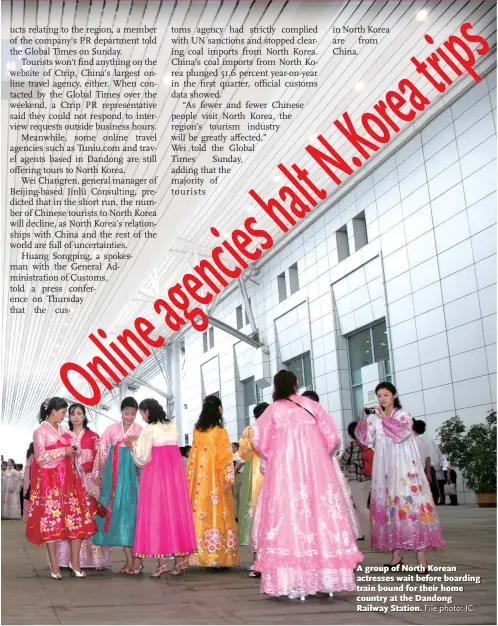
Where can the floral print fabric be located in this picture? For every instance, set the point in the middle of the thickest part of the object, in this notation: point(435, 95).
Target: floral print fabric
point(402, 510)
point(210, 474)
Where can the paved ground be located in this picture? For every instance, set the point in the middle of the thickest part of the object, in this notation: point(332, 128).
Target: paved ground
point(29, 596)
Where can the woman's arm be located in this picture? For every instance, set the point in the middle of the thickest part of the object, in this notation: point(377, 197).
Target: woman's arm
point(246, 449)
point(141, 448)
point(224, 456)
point(327, 428)
point(46, 458)
point(263, 432)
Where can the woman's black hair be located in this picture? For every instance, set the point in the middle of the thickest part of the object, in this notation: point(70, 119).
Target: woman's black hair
point(284, 385)
point(31, 450)
point(390, 387)
point(129, 403)
point(54, 404)
point(156, 411)
point(419, 426)
point(259, 409)
point(351, 430)
point(210, 414)
point(13, 463)
point(77, 405)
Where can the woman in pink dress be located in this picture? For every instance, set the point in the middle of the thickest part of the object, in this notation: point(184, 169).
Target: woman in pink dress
point(165, 526)
point(60, 508)
point(402, 511)
point(97, 557)
point(302, 531)
point(27, 480)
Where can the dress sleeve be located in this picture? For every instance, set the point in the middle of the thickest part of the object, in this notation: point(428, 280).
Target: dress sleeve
point(27, 474)
point(103, 449)
point(142, 447)
point(398, 427)
point(224, 455)
point(365, 432)
point(246, 449)
point(44, 457)
point(263, 432)
point(327, 427)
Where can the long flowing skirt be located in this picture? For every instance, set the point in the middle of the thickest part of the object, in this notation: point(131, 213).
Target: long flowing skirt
point(119, 495)
point(165, 526)
point(304, 534)
point(12, 505)
point(402, 511)
point(246, 506)
point(59, 507)
point(90, 556)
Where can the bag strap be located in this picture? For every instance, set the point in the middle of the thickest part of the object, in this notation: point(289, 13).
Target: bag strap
point(300, 405)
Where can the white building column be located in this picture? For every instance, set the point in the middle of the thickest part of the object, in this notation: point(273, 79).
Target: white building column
point(176, 384)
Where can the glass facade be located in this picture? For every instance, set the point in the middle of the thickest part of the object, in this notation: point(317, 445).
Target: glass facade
point(301, 367)
point(366, 347)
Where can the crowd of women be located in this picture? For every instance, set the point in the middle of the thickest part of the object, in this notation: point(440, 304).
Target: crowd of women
point(131, 489)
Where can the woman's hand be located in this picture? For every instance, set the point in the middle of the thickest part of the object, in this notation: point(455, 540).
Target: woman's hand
point(129, 441)
point(70, 452)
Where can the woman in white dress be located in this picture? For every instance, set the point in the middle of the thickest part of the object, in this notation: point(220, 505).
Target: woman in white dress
point(13, 484)
point(402, 511)
point(4, 482)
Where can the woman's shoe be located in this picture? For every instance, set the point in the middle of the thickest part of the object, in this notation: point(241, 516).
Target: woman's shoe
point(124, 569)
point(76, 573)
point(180, 569)
point(135, 572)
point(163, 569)
point(254, 574)
point(362, 538)
point(55, 575)
point(393, 565)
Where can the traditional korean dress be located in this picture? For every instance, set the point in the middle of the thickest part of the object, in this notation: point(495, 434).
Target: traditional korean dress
point(402, 510)
point(60, 507)
point(303, 535)
point(27, 485)
point(165, 526)
point(12, 503)
point(251, 486)
point(210, 473)
point(90, 556)
point(4, 482)
point(115, 468)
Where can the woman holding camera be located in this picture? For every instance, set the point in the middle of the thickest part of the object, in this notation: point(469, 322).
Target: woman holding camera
point(402, 511)
point(60, 508)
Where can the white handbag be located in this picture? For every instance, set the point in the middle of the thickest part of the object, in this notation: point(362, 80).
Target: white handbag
point(450, 489)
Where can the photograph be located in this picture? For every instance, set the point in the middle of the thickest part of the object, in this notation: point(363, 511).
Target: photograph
point(248, 323)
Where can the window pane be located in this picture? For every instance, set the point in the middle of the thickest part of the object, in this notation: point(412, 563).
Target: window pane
point(356, 377)
point(388, 368)
point(357, 401)
point(211, 337)
point(296, 367)
point(308, 380)
point(360, 350)
point(381, 347)
point(205, 342)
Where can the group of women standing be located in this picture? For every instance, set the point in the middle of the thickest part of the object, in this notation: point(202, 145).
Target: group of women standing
point(130, 489)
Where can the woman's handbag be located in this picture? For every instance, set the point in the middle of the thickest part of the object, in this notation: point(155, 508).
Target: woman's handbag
point(450, 489)
point(27, 495)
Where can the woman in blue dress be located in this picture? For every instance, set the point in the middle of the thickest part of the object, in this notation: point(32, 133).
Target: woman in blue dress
point(116, 473)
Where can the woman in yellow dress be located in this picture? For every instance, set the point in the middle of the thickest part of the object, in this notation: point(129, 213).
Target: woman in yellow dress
point(210, 473)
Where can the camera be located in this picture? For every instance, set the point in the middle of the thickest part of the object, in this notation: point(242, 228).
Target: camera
point(370, 410)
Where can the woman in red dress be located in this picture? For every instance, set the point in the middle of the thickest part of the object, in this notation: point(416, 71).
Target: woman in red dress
point(60, 507)
point(97, 557)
